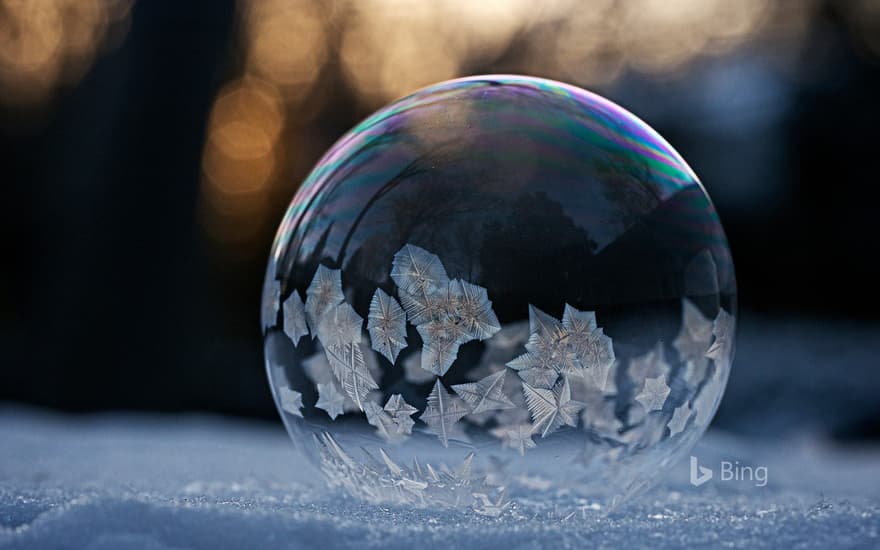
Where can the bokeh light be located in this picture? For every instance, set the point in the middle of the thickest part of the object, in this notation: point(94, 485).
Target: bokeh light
point(45, 44)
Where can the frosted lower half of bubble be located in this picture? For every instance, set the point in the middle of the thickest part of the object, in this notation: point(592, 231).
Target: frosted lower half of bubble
point(564, 379)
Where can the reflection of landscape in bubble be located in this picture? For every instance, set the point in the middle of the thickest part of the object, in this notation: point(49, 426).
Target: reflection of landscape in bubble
point(494, 283)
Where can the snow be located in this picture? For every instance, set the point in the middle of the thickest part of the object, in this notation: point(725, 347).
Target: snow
point(184, 481)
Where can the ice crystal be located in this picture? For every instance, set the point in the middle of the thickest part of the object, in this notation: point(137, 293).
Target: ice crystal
point(340, 325)
point(549, 341)
point(291, 401)
point(472, 310)
point(539, 377)
point(551, 409)
point(317, 368)
point(679, 419)
point(384, 480)
point(393, 422)
point(271, 299)
point(387, 325)
point(653, 393)
point(518, 437)
point(324, 292)
point(592, 347)
point(576, 346)
point(443, 413)
point(348, 366)
point(441, 339)
point(722, 328)
point(486, 394)
point(486, 507)
point(417, 271)
point(384, 423)
point(330, 399)
point(446, 313)
point(400, 412)
point(425, 307)
point(694, 338)
point(295, 317)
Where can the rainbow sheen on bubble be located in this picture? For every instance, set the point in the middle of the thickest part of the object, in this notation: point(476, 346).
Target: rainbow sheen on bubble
point(495, 283)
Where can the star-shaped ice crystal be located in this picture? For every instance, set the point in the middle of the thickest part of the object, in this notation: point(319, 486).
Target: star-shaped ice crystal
point(324, 292)
point(386, 324)
point(442, 413)
point(552, 409)
point(722, 328)
point(330, 399)
point(295, 317)
point(654, 393)
point(486, 394)
point(340, 325)
point(417, 271)
point(679, 419)
point(291, 401)
point(519, 437)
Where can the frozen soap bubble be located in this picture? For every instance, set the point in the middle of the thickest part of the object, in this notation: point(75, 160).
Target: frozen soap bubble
point(496, 285)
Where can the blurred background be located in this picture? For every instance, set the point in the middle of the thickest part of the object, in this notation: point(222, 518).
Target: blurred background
point(149, 150)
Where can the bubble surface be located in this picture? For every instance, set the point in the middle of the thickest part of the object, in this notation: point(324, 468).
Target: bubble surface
point(497, 284)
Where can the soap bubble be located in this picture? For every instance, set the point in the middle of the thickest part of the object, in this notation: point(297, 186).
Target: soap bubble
point(495, 285)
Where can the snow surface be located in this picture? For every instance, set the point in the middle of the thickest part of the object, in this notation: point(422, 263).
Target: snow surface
point(125, 481)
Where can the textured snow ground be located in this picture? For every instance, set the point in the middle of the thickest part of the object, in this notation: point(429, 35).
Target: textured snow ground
point(202, 482)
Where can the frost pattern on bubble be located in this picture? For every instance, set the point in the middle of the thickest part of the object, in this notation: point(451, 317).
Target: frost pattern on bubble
point(472, 309)
point(591, 346)
point(548, 342)
point(340, 325)
point(392, 422)
point(654, 393)
point(317, 369)
point(485, 395)
point(518, 437)
point(418, 272)
point(291, 401)
point(324, 292)
point(384, 480)
point(271, 299)
point(694, 338)
point(331, 400)
point(575, 346)
point(723, 328)
point(679, 419)
point(441, 339)
point(442, 414)
point(295, 326)
point(386, 323)
point(400, 412)
point(446, 313)
point(534, 373)
point(563, 357)
point(551, 409)
point(349, 368)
